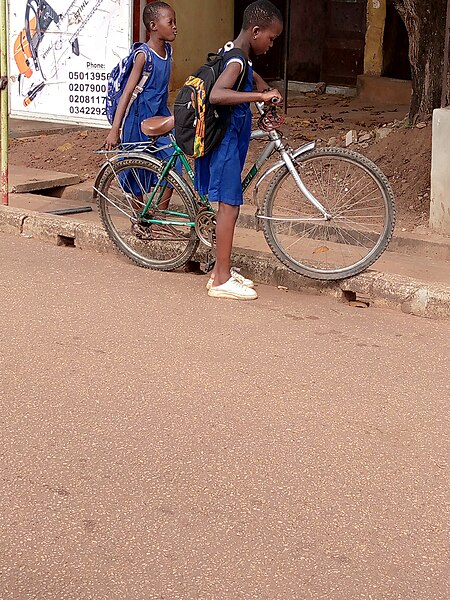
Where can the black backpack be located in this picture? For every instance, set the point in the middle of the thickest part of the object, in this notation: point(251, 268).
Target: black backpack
point(200, 125)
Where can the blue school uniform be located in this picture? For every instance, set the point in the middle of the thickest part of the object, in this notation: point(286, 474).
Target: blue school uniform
point(218, 173)
point(151, 102)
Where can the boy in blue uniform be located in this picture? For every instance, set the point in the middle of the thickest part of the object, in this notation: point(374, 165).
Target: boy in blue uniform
point(160, 21)
point(218, 174)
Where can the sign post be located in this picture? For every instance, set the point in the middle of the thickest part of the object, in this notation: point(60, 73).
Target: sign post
point(4, 100)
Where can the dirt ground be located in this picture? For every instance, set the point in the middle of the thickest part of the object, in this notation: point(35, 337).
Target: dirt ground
point(402, 153)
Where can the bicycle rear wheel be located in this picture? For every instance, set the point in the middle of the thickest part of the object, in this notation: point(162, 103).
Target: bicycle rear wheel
point(357, 196)
point(164, 239)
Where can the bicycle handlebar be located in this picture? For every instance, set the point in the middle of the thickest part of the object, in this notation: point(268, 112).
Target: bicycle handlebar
point(262, 106)
point(269, 119)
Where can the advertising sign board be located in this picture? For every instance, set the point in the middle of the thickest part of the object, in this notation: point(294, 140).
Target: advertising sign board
point(61, 53)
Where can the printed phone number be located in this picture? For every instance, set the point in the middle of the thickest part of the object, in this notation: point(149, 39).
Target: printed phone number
point(80, 104)
point(93, 88)
point(87, 105)
point(87, 110)
point(88, 76)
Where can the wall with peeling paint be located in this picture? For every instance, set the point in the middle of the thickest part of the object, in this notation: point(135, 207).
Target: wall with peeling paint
point(373, 55)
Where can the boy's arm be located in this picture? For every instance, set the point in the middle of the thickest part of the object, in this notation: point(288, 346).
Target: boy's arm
point(223, 93)
point(135, 76)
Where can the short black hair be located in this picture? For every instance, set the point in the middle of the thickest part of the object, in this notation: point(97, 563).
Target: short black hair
point(261, 13)
point(151, 12)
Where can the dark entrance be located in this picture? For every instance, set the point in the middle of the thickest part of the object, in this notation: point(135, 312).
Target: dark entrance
point(345, 38)
point(326, 43)
point(308, 26)
point(136, 20)
point(395, 46)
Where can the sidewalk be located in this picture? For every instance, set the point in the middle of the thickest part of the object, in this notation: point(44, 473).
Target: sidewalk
point(413, 276)
point(23, 128)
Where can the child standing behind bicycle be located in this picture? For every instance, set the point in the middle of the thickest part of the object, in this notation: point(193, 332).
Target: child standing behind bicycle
point(218, 174)
point(160, 21)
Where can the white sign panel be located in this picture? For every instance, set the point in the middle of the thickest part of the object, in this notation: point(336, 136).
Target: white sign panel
point(61, 52)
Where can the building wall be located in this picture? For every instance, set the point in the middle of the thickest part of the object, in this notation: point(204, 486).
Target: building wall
point(208, 23)
point(386, 64)
point(373, 54)
point(202, 27)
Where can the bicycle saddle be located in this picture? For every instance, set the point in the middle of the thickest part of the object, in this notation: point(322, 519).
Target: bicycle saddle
point(157, 126)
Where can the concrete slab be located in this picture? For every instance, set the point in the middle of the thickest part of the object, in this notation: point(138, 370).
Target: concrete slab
point(301, 87)
point(426, 269)
point(433, 267)
point(44, 204)
point(23, 128)
point(27, 179)
point(440, 173)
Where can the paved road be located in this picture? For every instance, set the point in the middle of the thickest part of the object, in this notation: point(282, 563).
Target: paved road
point(158, 444)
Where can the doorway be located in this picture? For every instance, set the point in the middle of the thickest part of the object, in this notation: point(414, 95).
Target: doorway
point(344, 43)
point(327, 41)
point(395, 46)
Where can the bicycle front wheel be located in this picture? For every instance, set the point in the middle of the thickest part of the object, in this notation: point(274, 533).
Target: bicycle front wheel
point(360, 203)
point(164, 238)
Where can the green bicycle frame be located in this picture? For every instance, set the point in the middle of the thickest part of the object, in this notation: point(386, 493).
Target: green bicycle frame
point(161, 186)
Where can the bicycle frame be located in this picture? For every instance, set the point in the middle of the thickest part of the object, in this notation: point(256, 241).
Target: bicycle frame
point(135, 186)
point(274, 144)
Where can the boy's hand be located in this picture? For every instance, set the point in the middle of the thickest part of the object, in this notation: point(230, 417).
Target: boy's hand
point(271, 96)
point(112, 140)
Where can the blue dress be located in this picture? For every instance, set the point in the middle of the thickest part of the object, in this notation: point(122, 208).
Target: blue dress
point(218, 173)
point(151, 102)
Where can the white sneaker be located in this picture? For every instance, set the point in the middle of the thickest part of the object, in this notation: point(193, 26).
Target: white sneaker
point(232, 289)
point(235, 275)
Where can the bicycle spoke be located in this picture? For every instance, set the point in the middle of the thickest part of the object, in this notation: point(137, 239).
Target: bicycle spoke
point(359, 202)
point(164, 239)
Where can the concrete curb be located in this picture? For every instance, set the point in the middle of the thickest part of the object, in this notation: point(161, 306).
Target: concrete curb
point(372, 287)
point(408, 244)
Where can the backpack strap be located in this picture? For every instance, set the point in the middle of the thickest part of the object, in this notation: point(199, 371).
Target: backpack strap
point(148, 68)
point(237, 53)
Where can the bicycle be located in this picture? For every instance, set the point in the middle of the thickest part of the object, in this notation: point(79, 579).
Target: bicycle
point(327, 213)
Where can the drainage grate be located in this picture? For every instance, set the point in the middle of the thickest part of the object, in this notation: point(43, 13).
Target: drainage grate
point(65, 240)
point(356, 299)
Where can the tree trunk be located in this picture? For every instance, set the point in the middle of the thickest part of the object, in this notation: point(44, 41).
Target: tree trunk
point(425, 22)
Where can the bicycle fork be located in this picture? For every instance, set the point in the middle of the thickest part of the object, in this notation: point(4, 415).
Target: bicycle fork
point(288, 161)
point(301, 186)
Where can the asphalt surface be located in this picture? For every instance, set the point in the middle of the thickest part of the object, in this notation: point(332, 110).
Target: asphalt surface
point(160, 444)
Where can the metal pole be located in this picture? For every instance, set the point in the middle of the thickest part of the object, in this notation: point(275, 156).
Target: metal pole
point(445, 83)
point(287, 40)
point(4, 100)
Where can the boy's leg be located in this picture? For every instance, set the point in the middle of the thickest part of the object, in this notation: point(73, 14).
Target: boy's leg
point(225, 223)
point(164, 202)
point(138, 201)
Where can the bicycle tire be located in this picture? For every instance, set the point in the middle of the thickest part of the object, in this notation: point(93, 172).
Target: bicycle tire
point(314, 250)
point(117, 213)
